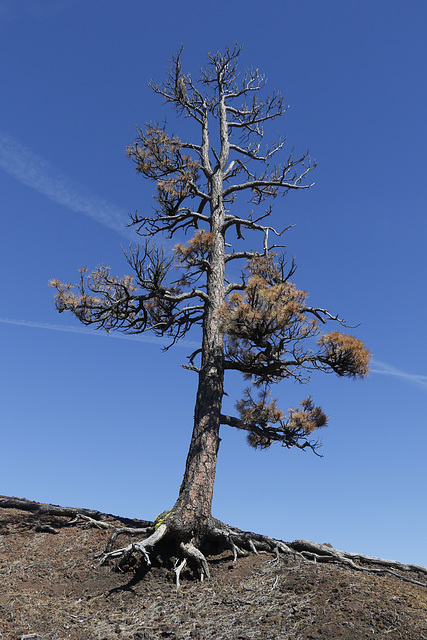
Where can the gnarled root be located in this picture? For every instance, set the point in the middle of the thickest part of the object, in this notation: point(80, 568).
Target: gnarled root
point(48, 509)
point(218, 536)
point(142, 547)
point(137, 551)
point(315, 552)
point(213, 537)
point(190, 551)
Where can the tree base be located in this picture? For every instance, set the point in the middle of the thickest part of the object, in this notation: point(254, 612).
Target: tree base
point(169, 546)
point(165, 540)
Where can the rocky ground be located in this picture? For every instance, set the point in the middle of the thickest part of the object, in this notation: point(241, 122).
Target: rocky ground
point(51, 587)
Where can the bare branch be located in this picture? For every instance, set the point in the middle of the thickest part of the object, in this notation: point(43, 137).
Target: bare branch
point(252, 153)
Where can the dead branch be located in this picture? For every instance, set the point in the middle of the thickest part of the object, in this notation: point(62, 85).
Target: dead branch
point(48, 509)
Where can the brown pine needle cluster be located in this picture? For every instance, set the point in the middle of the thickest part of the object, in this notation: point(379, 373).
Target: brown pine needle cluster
point(158, 156)
point(266, 423)
point(345, 354)
point(196, 250)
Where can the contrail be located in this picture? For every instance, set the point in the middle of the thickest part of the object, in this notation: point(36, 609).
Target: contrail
point(389, 370)
point(380, 368)
point(33, 171)
point(145, 337)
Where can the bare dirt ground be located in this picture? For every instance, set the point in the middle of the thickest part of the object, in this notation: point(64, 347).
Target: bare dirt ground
point(51, 587)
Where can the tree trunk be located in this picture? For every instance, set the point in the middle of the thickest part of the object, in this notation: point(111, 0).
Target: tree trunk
point(193, 507)
point(192, 510)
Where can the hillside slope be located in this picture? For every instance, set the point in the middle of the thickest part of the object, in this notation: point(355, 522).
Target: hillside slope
point(53, 588)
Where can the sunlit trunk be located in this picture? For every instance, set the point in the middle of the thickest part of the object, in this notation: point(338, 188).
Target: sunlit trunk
point(193, 507)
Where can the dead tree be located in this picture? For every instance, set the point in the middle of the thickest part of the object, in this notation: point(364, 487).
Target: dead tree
point(260, 325)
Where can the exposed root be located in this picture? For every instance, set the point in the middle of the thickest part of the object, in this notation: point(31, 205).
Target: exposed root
point(143, 546)
point(214, 538)
point(190, 551)
point(243, 542)
point(179, 566)
point(237, 552)
point(48, 509)
point(98, 524)
point(323, 553)
point(121, 531)
point(312, 551)
point(253, 547)
point(90, 516)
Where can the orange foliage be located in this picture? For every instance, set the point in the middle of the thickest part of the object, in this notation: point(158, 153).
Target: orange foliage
point(260, 417)
point(196, 248)
point(308, 418)
point(345, 354)
point(102, 287)
point(158, 156)
point(265, 322)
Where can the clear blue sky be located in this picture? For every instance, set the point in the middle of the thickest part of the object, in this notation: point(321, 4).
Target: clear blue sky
point(101, 422)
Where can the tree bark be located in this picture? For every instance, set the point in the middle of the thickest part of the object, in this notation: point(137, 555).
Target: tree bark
point(192, 511)
point(193, 507)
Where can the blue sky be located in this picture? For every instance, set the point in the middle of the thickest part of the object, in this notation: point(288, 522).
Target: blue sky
point(105, 421)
